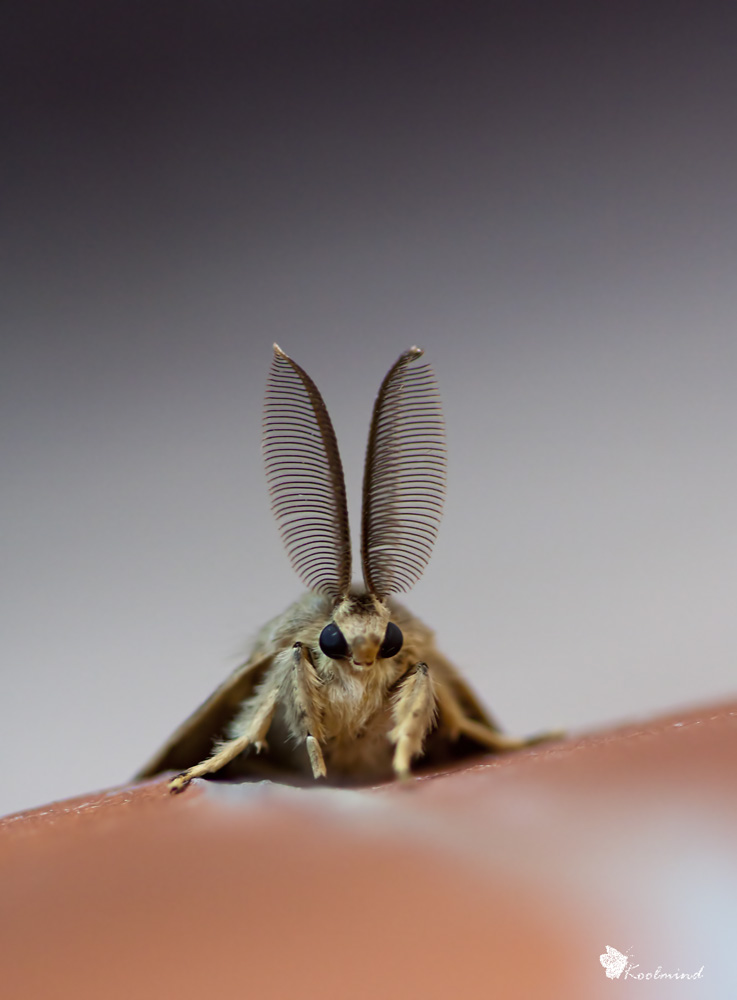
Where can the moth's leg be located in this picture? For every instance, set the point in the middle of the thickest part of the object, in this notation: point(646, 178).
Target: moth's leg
point(260, 713)
point(457, 723)
point(305, 707)
point(414, 709)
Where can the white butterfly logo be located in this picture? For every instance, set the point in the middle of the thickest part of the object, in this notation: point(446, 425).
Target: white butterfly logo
point(614, 962)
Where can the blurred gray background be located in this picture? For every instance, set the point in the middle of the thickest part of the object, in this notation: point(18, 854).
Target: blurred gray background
point(540, 195)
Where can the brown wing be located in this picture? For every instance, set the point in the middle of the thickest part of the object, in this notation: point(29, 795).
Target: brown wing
point(193, 740)
point(422, 639)
point(444, 745)
point(448, 675)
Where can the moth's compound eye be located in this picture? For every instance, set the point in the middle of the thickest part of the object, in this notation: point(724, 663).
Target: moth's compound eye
point(332, 642)
point(392, 643)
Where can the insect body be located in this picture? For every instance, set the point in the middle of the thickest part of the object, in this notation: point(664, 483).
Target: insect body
point(346, 685)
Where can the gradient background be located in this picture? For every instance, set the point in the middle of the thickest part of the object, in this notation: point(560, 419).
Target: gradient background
point(541, 195)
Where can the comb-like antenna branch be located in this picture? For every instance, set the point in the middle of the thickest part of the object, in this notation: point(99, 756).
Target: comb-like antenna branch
point(404, 478)
point(305, 477)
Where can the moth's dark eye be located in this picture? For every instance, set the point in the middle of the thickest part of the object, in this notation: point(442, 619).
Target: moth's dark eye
point(392, 642)
point(332, 642)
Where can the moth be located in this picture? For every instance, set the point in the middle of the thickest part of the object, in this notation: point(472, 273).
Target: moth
point(346, 685)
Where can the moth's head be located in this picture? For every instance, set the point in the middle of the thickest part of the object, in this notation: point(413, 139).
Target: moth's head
point(360, 632)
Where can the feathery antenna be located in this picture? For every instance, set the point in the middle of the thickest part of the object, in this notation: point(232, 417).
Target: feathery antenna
point(305, 478)
point(404, 478)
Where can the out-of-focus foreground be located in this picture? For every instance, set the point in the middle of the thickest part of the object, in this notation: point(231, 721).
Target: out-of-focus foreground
point(508, 877)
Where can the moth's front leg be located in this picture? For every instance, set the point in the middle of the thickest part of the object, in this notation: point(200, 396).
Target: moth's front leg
point(305, 707)
point(414, 709)
point(256, 722)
